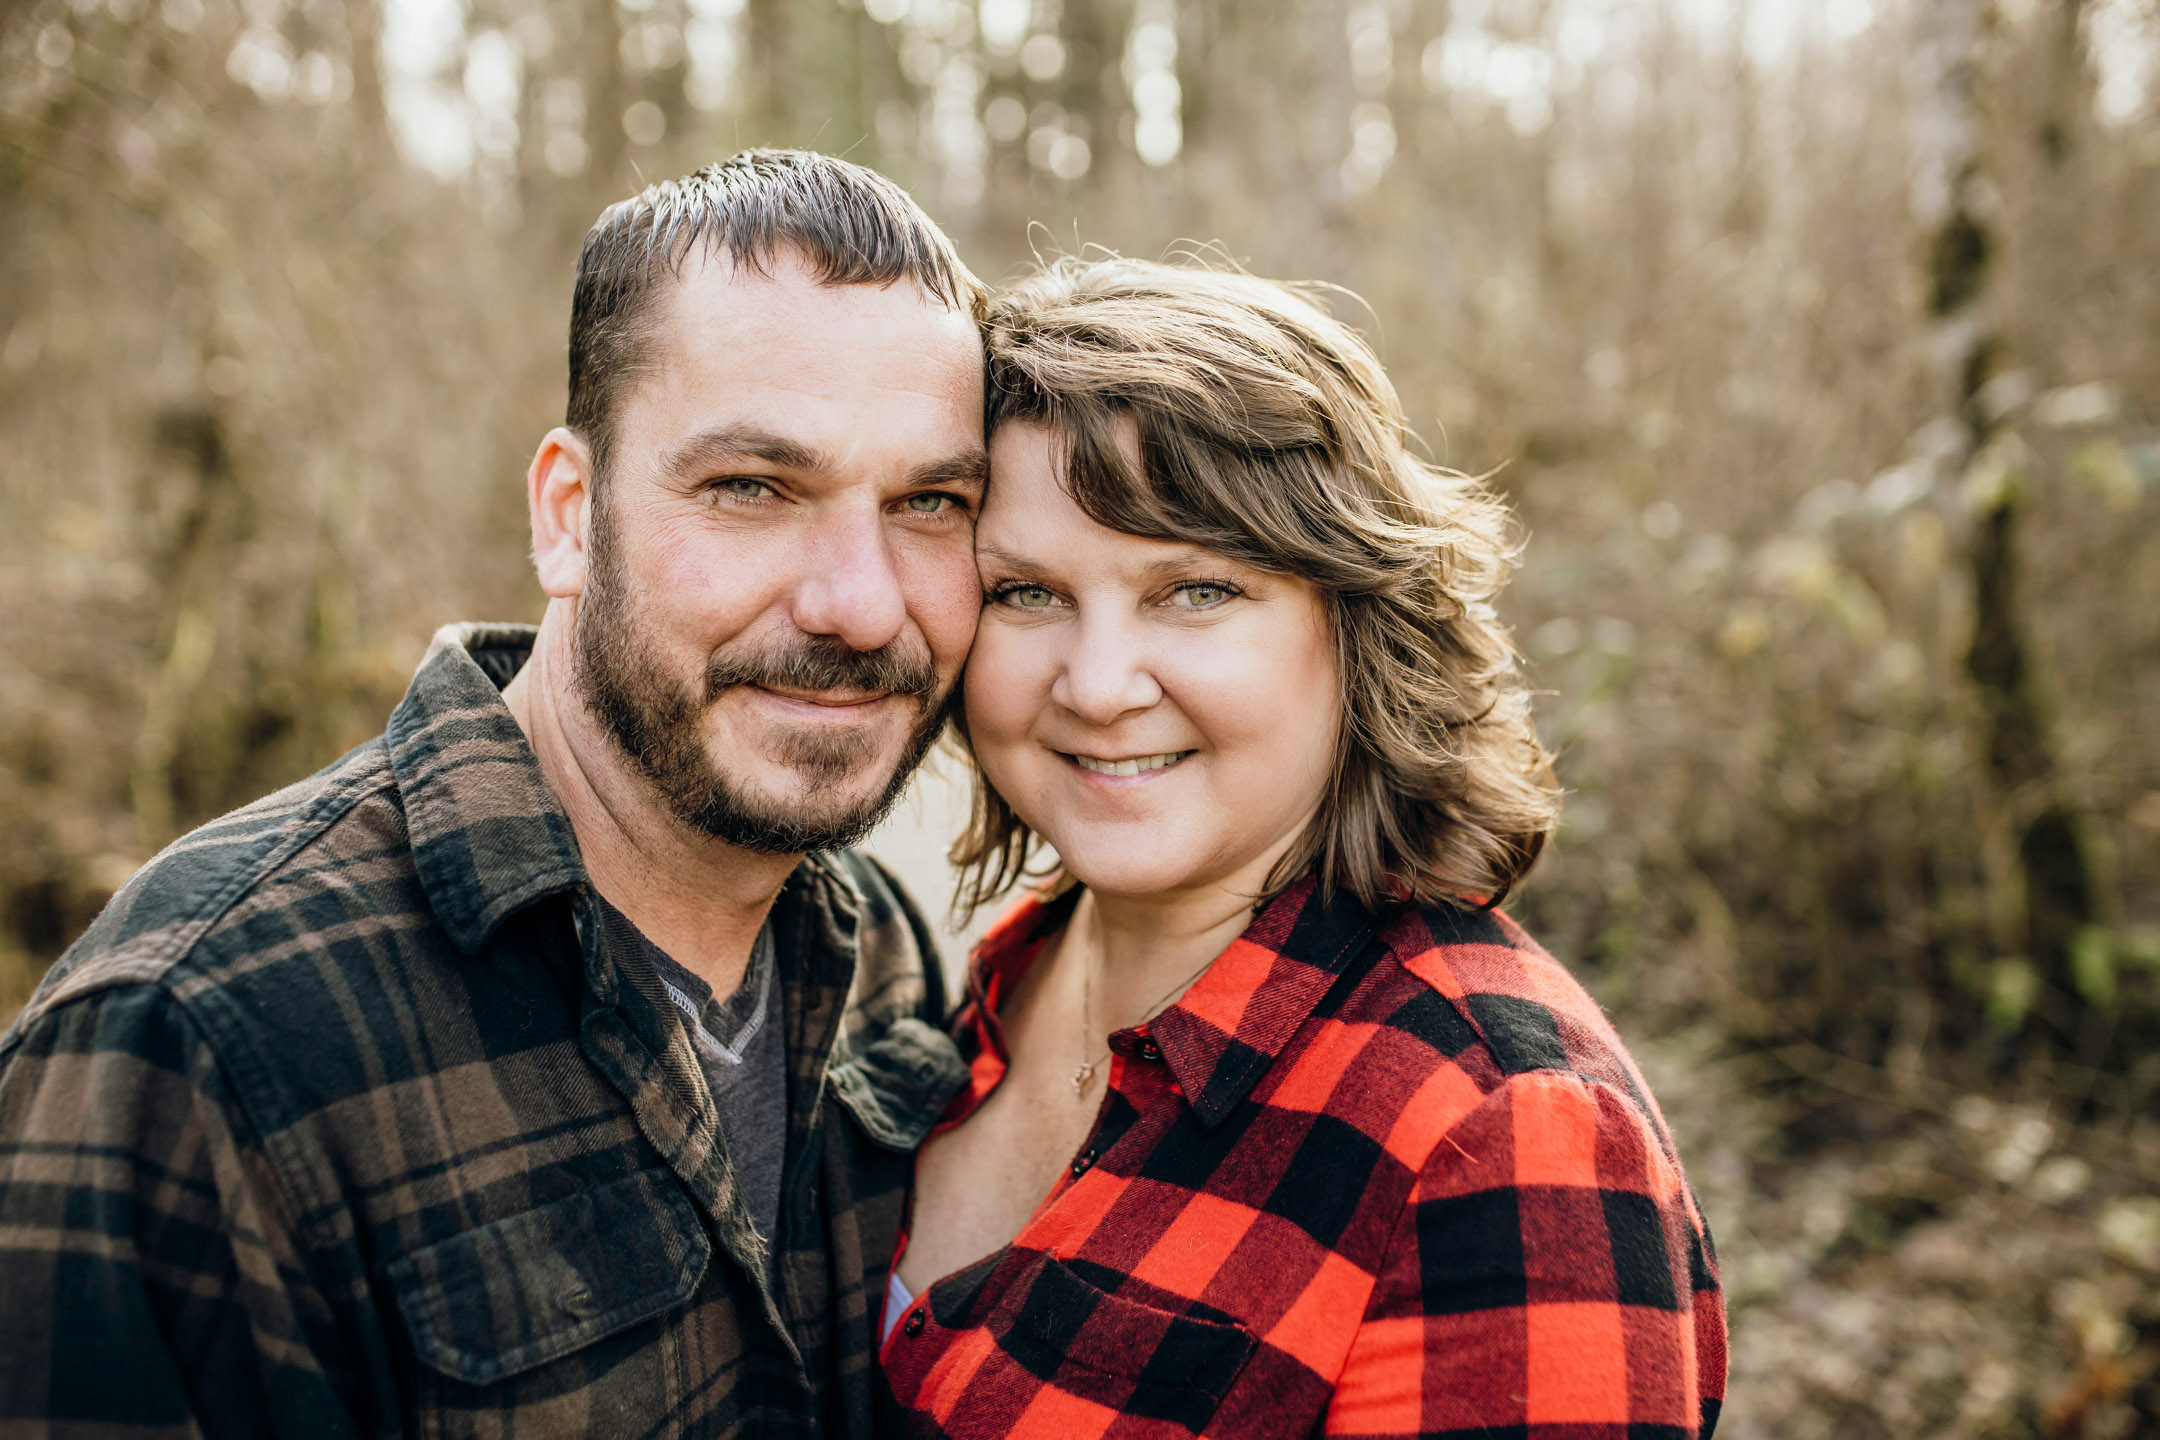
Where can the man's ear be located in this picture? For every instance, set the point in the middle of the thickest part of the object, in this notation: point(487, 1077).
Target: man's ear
point(559, 495)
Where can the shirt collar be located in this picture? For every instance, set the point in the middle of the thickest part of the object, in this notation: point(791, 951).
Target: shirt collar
point(1000, 958)
point(488, 836)
point(1221, 1036)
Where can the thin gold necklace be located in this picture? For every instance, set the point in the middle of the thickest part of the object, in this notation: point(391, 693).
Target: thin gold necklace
point(1082, 1074)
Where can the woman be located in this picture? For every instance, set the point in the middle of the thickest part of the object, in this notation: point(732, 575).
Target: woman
point(1277, 1126)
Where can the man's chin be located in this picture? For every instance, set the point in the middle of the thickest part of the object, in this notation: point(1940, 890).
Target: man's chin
point(782, 810)
point(786, 789)
point(817, 802)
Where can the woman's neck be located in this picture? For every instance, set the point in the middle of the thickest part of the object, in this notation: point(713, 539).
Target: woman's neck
point(1144, 949)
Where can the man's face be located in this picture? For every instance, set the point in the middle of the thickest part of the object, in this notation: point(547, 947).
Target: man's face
point(781, 582)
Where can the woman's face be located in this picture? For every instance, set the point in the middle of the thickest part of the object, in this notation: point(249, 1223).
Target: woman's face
point(1165, 717)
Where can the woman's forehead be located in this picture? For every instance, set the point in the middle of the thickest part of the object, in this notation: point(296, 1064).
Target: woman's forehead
point(1031, 521)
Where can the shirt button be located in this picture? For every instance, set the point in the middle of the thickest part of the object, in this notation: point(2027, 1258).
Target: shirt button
point(1081, 1162)
point(1150, 1051)
point(912, 1326)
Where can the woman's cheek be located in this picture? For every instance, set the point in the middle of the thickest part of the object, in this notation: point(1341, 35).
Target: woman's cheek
point(1235, 692)
point(1000, 693)
point(1269, 705)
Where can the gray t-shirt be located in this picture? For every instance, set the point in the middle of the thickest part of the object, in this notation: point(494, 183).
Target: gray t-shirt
point(740, 1044)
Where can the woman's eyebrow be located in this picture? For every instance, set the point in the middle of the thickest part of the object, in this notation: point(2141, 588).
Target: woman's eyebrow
point(1006, 558)
point(1178, 562)
point(1191, 558)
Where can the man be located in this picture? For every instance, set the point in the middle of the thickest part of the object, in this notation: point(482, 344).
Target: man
point(518, 1074)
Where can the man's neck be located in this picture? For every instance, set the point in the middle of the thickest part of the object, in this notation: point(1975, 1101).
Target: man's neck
point(699, 899)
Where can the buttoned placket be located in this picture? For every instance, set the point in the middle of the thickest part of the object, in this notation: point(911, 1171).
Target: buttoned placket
point(1144, 1075)
point(1144, 1095)
point(828, 934)
point(667, 1094)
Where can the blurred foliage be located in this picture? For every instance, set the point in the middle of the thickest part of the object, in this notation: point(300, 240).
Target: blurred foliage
point(1840, 496)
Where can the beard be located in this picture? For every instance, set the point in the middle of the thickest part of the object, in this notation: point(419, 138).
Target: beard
point(656, 720)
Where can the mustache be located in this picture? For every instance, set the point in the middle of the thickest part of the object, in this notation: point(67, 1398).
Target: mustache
point(822, 662)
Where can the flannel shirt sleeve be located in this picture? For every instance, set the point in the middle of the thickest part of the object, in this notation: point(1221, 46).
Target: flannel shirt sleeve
point(1547, 1277)
point(149, 1278)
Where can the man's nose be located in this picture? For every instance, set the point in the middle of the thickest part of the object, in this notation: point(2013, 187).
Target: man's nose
point(1105, 675)
point(850, 586)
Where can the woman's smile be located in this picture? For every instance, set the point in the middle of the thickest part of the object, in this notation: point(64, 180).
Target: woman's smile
point(1131, 766)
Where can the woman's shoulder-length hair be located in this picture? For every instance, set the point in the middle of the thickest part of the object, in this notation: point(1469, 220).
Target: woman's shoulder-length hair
point(1269, 433)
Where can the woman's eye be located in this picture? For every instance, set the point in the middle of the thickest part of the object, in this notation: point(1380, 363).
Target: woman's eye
point(1199, 595)
point(1029, 597)
point(929, 503)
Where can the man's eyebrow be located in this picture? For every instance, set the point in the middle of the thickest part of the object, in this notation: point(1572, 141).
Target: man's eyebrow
point(968, 469)
point(711, 449)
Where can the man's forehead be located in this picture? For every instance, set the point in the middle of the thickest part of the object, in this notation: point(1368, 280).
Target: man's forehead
point(729, 344)
point(773, 290)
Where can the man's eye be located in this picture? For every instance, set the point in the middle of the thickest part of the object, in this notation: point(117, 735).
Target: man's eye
point(1200, 594)
point(745, 486)
point(1028, 597)
point(929, 503)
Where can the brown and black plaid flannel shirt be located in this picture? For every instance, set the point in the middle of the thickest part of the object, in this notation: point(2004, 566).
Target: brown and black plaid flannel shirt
point(343, 1120)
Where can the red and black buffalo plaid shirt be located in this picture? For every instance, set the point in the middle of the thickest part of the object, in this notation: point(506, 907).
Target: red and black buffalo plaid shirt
point(1366, 1178)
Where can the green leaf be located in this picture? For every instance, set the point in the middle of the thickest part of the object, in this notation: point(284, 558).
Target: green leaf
point(2092, 966)
point(2012, 986)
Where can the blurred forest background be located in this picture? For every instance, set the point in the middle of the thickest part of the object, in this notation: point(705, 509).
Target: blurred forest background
point(1817, 341)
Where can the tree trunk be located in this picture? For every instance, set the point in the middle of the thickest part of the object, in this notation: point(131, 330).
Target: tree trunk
point(2067, 90)
point(2054, 872)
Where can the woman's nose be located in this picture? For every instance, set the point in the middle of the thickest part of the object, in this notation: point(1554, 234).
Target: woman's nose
point(1105, 676)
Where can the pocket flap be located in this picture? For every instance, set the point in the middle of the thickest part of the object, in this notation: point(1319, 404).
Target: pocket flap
point(1157, 1362)
point(897, 1086)
point(503, 1298)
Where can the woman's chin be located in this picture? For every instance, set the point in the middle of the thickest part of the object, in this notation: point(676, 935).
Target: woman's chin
point(1118, 886)
point(1137, 873)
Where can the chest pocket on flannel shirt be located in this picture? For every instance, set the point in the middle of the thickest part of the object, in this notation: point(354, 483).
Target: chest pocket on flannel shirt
point(501, 1299)
point(1122, 1353)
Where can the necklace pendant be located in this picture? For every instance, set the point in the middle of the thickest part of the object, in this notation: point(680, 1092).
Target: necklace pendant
point(1080, 1077)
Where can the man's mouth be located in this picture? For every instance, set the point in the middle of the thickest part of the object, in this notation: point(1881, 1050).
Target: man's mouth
point(1132, 765)
point(830, 699)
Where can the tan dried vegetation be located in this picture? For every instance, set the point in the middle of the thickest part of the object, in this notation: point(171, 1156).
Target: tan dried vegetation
point(1816, 345)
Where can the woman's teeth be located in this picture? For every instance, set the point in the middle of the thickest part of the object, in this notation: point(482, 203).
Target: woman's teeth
point(1140, 765)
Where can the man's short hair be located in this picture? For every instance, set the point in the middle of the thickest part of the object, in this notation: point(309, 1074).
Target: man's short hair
point(851, 226)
